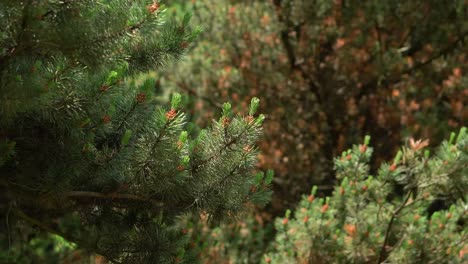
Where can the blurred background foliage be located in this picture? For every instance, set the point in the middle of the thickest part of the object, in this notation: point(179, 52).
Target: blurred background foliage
point(328, 73)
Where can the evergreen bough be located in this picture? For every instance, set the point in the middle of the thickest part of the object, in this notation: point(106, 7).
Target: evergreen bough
point(413, 210)
point(86, 152)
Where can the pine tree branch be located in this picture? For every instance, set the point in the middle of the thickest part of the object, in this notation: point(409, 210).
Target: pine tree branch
point(45, 227)
point(220, 151)
point(313, 81)
point(32, 194)
point(383, 251)
point(112, 197)
point(155, 144)
point(61, 4)
point(231, 173)
point(14, 50)
point(315, 87)
point(395, 78)
point(447, 50)
point(213, 187)
point(112, 36)
point(57, 75)
point(127, 116)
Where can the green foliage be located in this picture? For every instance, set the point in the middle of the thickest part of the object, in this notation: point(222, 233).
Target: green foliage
point(328, 73)
point(242, 241)
point(40, 249)
point(87, 151)
point(367, 221)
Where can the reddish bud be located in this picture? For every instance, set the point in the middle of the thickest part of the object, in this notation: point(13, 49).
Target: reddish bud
point(350, 229)
point(363, 148)
point(393, 167)
point(324, 208)
point(449, 215)
point(85, 149)
point(232, 10)
point(457, 72)
point(141, 98)
point(247, 148)
point(249, 119)
point(180, 168)
point(463, 252)
point(153, 7)
point(104, 88)
point(171, 114)
point(364, 188)
point(180, 144)
point(348, 157)
point(106, 119)
point(226, 121)
point(310, 198)
point(306, 218)
point(342, 190)
point(253, 189)
point(416, 217)
point(285, 221)
point(184, 44)
point(267, 259)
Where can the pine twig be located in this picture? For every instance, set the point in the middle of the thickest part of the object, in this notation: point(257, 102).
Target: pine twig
point(155, 144)
point(43, 226)
point(111, 196)
point(225, 146)
point(383, 251)
point(49, 229)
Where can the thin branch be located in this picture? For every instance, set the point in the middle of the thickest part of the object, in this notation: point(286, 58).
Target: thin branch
point(43, 226)
point(49, 229)
point(383, 250)
point(395, 78)
point(379, 37)
point(220, 151)
point(155, 144)
point(127, 30)
point(127, 116)
point(112, 197)
point(194, 93)
point(92, 195)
